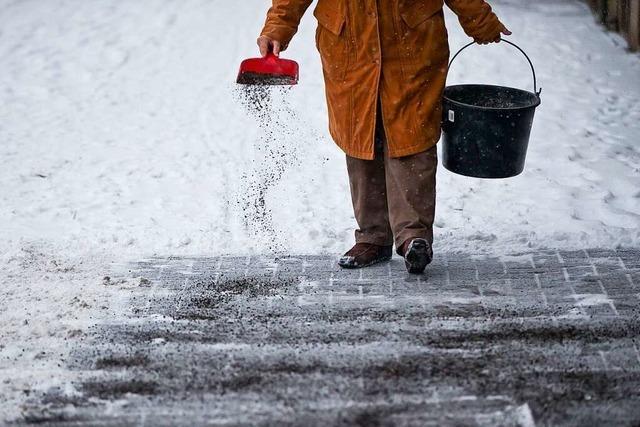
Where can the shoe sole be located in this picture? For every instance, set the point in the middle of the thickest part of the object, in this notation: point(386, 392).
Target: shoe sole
point(418, 256)
point(355, 267)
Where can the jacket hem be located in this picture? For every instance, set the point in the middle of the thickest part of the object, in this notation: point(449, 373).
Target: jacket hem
point(403, 152)
point(413, 149)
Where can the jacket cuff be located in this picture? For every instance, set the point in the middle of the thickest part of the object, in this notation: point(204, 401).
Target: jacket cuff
point(280, 33)
point(486, 28)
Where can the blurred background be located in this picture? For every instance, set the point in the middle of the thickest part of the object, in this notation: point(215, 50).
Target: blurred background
point(620, 15)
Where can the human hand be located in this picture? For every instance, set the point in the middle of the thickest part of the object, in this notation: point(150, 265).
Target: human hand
point(496, 38)
point(266, 45)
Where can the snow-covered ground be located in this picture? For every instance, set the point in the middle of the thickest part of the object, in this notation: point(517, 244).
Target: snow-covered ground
point(123, 136)
point(123, 132)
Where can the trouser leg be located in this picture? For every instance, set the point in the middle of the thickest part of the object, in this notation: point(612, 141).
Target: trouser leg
point(411, 195)
point(369, 196)
point(394, 199)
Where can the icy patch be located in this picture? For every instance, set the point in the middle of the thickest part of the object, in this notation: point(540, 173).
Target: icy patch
point(587, 300)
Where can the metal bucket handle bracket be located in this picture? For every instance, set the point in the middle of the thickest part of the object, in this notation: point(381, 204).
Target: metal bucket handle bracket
point(533, 70)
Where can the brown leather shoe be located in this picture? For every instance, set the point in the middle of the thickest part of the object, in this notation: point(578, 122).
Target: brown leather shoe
point(365, 254)
point(417, 255)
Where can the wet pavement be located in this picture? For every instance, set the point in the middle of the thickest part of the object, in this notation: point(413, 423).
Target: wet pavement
point(544, 338)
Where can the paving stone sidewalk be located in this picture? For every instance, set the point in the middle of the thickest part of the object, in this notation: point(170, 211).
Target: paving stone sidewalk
point(541, 338)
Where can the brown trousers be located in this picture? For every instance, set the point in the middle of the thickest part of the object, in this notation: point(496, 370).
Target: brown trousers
point(394, 199)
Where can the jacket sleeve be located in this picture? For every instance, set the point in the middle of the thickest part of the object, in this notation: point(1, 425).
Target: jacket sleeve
point(283, 19)
point(476, 18)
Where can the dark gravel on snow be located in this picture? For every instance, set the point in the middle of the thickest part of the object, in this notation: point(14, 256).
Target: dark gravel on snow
point(547, 338)
point(261, 79)
point(275, 151)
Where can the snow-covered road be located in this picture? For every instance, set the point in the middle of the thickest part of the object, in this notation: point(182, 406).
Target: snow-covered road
point(123, 136)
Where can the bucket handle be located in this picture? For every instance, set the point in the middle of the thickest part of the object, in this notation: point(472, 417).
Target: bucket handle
point(533, 70)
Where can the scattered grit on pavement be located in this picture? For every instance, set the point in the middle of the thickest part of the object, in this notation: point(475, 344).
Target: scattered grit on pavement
point(544, 338)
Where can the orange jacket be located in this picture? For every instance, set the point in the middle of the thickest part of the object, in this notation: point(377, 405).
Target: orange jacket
point(396, 50)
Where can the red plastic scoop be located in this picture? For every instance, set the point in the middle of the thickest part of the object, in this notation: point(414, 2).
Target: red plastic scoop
point(270, 70)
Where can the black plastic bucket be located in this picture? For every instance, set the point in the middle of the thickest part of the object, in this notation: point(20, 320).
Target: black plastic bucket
point(486, 128)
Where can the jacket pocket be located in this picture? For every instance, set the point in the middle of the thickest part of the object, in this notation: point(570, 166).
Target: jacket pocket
point(329, 16)
point(425, 45)
point(331, 39)
point(415, 12)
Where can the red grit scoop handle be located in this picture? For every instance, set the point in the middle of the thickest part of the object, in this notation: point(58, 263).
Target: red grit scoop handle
point(270, 70)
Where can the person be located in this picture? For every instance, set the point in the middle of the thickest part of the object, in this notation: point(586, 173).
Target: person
point(385, 64)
